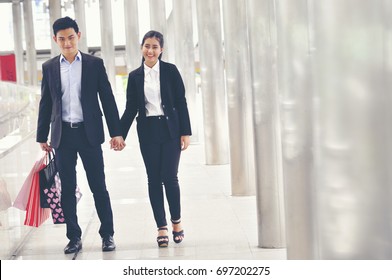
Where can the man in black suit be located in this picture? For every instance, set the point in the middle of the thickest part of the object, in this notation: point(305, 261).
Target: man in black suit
point(69, 107)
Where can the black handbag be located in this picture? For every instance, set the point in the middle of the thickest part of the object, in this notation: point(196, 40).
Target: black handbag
point(46, 180)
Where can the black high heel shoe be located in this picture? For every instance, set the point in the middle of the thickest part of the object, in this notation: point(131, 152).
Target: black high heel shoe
point(163, 241)
point(178, 236)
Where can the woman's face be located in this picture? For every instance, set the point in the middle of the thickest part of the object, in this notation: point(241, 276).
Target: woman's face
point(151, 50)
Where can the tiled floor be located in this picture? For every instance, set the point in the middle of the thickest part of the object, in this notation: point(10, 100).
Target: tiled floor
point(217, 225)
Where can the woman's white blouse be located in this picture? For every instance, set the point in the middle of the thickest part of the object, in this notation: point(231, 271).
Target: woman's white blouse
point(152, 91)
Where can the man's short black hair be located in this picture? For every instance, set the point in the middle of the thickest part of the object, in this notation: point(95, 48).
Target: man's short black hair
point(64, 23)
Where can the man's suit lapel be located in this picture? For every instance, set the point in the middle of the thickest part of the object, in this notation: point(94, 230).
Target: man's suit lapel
point(85, 63)
point(56, 75)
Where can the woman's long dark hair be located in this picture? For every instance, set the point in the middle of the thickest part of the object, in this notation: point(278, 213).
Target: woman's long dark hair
point(153, 34)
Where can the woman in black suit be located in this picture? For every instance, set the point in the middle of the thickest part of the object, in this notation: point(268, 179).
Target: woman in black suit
point(156, 94)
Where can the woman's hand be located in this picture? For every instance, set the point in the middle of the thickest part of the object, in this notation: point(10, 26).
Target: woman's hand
point(185, 140)
point(117, 143)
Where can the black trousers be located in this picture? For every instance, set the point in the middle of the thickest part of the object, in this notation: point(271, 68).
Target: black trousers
point(73, 142)
point(161, 155)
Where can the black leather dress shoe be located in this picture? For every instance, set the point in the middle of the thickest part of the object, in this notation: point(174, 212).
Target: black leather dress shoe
point(108, 244)
point(73, 246)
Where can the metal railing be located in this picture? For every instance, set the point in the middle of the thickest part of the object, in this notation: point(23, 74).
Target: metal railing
point(18, 111)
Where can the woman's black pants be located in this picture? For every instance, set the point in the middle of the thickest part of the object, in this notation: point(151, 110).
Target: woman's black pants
point(161, 155)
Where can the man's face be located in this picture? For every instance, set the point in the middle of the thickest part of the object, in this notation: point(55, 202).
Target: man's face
point(67, 40)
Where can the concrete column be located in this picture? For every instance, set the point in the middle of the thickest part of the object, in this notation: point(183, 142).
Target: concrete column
point(54, 14)
point(169, 54)
point(268, 159)
point(31, 56)
point(215, 125)
point(353, 59)
point(185, 57)
point(132, 41)
point(107, 44)
point(80, 17)
point(158, 16)
point(239, 96)
point(295, 89)
point(158, 20)
point(18, 44)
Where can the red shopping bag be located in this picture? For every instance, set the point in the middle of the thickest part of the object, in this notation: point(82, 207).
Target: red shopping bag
point(23, 195)
point(35, 215)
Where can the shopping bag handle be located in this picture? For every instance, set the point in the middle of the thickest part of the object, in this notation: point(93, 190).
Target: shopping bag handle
point(49, 155)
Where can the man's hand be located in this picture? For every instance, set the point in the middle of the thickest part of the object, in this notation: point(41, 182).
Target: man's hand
point(117, 143)
point(45, 147)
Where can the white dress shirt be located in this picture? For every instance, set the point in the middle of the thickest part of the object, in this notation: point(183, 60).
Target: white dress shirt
point(152, 91)
point(71, 83)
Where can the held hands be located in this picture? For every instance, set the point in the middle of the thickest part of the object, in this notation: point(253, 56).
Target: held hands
point(117, 143)
point(185, 140)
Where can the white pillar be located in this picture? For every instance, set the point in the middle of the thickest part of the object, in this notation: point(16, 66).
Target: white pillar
point(31, 56)
point(296, 97)
point(158, 21)
point(132, 41)
point(185, 57)
point(54, 14)
point(80, 17)
point(216, 137)
point(18, 44)
point(354, 182)
point(239, 96)
point(107, 44)
point(268, 154)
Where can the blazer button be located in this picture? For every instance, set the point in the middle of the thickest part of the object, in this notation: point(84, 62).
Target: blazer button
point(167, 117)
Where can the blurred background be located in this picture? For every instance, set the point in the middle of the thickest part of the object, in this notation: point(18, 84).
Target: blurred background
point(294, 95)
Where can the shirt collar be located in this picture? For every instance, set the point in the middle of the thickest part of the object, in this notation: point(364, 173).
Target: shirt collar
point(155, 68)
point(78, 57)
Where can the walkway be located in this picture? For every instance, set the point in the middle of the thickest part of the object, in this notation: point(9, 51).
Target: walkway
point(217, 225)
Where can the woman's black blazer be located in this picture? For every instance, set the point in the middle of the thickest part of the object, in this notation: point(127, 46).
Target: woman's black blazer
point(173, 102)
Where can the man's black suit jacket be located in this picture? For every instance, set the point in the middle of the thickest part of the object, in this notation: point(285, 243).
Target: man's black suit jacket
point(94, 83)
point(173, 102)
